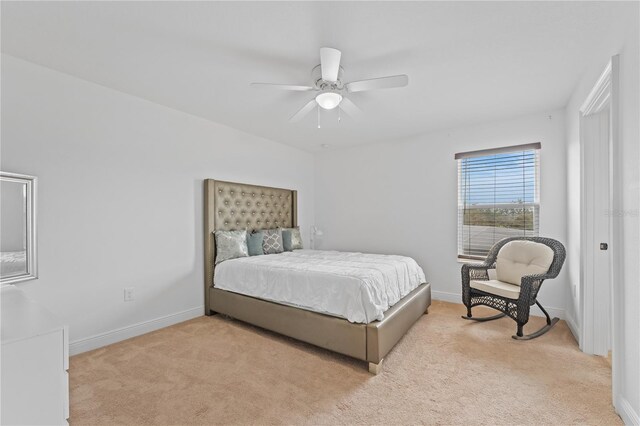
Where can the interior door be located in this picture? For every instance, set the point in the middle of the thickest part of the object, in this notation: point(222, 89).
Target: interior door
point(597, 216)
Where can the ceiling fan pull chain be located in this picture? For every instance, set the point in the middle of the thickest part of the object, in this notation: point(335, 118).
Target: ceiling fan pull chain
point(318, 116)
point(339, 115)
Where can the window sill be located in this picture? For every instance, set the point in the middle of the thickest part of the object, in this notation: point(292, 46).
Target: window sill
point(471, 261)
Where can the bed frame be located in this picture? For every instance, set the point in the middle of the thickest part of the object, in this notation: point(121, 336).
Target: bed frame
point(231, 206)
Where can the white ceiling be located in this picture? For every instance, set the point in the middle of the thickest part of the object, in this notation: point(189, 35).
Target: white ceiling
point(467, 61)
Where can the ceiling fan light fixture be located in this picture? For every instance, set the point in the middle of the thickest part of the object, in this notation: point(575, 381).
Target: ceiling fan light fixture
point(329, 100)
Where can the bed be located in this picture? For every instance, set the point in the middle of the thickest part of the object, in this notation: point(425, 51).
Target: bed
point(367, 336)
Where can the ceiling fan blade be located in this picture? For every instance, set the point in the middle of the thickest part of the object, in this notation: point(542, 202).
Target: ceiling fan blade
point(330, 63)
point(378, 83)
point(283, 87)
point(350, 108)
point(303, 111)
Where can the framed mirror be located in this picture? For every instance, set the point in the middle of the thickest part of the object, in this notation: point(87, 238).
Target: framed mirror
point(18, 260)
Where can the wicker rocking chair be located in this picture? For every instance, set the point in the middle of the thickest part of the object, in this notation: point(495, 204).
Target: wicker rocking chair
point(521, 264)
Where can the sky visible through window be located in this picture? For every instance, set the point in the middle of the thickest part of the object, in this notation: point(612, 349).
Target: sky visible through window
point(499, 179)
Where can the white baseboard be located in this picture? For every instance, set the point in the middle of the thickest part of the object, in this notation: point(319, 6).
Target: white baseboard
point(573, 326)
point(117, 335)
point(627, 413)
point(457, 298)
point(445, 296)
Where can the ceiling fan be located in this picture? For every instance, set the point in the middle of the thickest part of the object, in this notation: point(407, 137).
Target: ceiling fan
point(331, 91)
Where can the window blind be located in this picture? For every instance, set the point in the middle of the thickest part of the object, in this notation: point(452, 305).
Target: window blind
point(498, 197)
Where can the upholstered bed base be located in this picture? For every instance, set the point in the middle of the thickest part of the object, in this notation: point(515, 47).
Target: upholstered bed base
point(230, 206)
point(368, 342)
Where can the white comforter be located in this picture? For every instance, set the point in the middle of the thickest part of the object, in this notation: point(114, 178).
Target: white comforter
point(356, 286)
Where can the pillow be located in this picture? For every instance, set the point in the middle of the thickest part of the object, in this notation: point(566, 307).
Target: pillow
point(519, 258)
point(230, 245)
point(254, 243)
point(272, 242)
point(291, 239)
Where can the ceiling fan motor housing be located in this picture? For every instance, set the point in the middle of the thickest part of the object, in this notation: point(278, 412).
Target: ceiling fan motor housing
point(320, 84)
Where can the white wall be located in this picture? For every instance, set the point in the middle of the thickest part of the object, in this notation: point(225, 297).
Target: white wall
point(628, 46)
point(401, 197)
point(120, 195)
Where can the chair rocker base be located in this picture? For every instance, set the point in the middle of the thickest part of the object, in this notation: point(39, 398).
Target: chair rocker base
point(543, 330)
point(482, 319)
point(519, 334)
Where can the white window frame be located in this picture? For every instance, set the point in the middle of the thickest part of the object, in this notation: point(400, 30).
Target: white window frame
point(462, 206)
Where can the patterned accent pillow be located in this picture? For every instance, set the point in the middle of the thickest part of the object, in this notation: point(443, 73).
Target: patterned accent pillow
point(272, 241)
point(230, 245)
point(291, 239)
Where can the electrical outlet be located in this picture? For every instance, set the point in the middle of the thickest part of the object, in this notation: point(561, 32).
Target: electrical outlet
point(129, 294)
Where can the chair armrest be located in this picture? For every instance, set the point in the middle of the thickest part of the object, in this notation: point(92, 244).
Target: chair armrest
point(529, 286)
point(476, 271)
point(483, 265)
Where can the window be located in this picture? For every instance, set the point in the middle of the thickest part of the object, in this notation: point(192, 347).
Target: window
point(498, 197)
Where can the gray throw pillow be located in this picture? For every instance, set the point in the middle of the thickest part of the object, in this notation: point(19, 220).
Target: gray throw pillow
point(254, 243)
point(272, 242)
point(230, 245)
point(291, 239)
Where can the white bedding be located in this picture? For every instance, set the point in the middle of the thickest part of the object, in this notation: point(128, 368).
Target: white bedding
point(356, 286)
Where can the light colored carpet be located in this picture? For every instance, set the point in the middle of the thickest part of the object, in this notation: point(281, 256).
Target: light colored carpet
point(444, 371)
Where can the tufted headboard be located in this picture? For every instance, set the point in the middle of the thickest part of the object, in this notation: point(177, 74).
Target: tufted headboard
point(229, 206)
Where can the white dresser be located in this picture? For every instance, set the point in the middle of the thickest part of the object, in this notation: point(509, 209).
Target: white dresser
point(35, 360)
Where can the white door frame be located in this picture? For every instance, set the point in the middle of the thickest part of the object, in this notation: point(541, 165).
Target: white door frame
point(594, 333)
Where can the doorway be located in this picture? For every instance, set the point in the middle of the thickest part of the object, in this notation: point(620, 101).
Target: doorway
point(600, 233)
